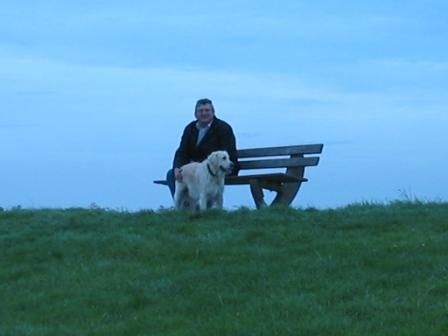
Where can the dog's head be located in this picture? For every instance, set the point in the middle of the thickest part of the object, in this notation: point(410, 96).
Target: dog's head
point(220, 163)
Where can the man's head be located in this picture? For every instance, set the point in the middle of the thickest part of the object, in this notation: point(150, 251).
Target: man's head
point(204, 111)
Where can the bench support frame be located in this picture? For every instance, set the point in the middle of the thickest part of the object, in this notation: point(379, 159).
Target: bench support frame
point(286, 185)
point(285, 191)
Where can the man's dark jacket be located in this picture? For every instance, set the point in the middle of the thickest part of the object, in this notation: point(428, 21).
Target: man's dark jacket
point(219, 137)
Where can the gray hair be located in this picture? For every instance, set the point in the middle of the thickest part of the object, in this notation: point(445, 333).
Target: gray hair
point(204, 101)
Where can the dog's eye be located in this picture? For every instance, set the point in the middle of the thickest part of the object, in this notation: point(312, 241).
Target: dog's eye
point(223, 157)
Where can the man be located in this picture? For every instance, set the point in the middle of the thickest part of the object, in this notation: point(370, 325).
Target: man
point(200, 138)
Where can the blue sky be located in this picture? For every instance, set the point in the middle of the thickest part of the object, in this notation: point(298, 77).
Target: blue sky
point(95, 94)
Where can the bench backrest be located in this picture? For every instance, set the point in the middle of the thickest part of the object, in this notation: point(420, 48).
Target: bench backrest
point(279, 157)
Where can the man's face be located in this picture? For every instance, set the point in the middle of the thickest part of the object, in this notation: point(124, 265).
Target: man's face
point(204, 114)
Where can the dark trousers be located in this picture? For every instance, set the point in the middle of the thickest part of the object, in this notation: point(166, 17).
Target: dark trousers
point(171, 181)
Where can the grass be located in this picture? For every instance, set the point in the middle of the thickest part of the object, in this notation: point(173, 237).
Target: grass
point(366, 269)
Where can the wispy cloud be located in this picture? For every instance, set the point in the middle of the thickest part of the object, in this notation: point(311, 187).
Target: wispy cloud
point(36, 93)
point(411, 65)
point(35, 75)
point(267, 36)
point(15, 126)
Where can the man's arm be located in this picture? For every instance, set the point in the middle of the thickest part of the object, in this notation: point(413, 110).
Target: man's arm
point(181, 156)
point(228, 143)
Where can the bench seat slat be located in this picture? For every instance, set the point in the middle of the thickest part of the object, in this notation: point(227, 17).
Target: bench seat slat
point(283, 150)
point(275, 177)
point(244, 179)
point(279, 163)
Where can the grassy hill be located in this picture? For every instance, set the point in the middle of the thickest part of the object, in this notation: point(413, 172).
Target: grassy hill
point(360, 270)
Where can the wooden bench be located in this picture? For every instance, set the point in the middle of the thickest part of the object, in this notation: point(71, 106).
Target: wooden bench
point(286, 184)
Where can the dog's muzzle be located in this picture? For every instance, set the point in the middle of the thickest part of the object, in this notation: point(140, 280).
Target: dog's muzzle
point(228, 169)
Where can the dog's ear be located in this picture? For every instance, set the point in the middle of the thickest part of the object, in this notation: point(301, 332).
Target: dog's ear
point(216, 157)
point(211, 158)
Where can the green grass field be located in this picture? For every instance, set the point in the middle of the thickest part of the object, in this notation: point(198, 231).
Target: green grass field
point(367, 269)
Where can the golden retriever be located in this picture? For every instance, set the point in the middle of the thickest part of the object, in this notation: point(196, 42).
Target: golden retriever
point(202, 183)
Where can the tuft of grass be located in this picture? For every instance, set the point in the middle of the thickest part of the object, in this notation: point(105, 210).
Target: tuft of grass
point(365, 269)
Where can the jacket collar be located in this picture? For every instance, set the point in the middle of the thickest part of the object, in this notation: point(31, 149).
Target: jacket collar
point(209, 131)
point(210, 124)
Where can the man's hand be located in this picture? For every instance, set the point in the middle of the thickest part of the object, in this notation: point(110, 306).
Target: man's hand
point(178, 174)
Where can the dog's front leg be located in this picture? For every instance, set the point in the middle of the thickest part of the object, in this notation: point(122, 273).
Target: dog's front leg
point(178, 195)
point(219, 201)
point(203, 202)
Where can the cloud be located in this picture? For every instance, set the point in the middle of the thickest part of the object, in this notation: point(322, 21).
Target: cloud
point(45, 77)
point(15, 126)
point(36, 92)
point(411, 65)
point(232, 35)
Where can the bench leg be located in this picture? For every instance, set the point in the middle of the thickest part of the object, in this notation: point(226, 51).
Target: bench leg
point(257, 194)
point(286, 195)
point(288, 191)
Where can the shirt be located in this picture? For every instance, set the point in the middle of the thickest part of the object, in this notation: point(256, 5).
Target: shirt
point(202, 131)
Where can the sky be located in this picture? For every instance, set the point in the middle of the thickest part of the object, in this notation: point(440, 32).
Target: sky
point(94, 96)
